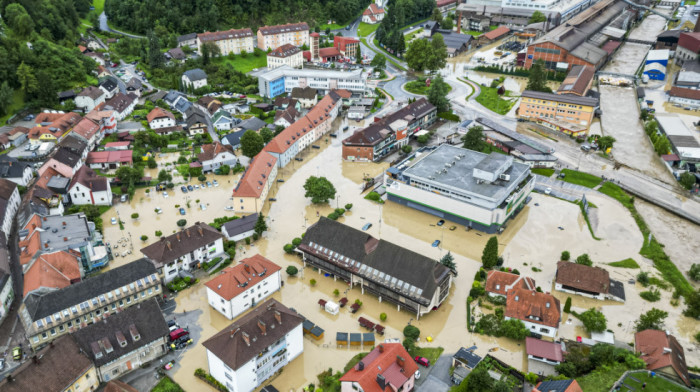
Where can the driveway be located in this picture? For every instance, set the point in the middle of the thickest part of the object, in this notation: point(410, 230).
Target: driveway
point(438, 376)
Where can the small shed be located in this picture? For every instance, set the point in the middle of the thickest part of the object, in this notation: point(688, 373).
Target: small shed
point(368, 339)
point(317, 332)
point(307, 326)
point(658, 56)
point(655, 71)
point(355, 339)
point(341, 338)
point(332, 307)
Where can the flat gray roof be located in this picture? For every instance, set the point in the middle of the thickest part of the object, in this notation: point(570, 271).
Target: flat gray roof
point(285, 70)
point(566, 98)
point(461, 174)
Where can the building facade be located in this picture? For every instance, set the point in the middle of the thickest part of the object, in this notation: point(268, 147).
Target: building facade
point(540, 312)
point(215, 155)
point(229, 41)
point(87, 187)
point(9, 204)
point(272, 83)
point(250, 194)
point(271, 37)
point(567, 113)
point(160, 118)
point(286, 54)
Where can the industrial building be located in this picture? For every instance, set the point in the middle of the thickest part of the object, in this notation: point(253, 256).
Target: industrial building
point(464, 186)
point(273, 82)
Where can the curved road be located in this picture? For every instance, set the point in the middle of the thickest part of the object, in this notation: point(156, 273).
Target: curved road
point(104, 26)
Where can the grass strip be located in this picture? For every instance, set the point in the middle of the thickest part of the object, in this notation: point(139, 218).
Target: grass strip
point(542, 171)
point(588, 222)
point(626, 263)
point(581, 178)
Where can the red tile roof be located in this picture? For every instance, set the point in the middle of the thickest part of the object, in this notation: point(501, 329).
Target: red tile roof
point(328, 52)
point(117, 144)
point(660, 350)
point(690, 41)
point(544, 349)
point(230, 283)
point(116, 156)
point(373, 10)
point(86, 128)
point(497, 33)
point(87, 177)
point(285, 50)
point(500, 282)
point(254, 179)
point(158, 112)
point(390, 360)
point(442, 3)
point(684, 93)
point(534, 307)
point(583, 277)
point(210, 151)
point(53, 270)
point(286, 28)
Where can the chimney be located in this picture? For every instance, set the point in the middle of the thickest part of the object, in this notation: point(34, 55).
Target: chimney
point(170, 247)
point(262, 327)
point(178, 237)
point(201, 232)
point(233, 332)
point(246, 267)
point(246, 338)
point(400, 361)
point(187, 232)
point(381, 381)
point(360, 366)
point(381, 348)
point(278, 317)
point(45, 246)
point(35, 360)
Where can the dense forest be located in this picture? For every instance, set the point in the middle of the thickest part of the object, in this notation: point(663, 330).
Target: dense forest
point(402, 13)
point(182, 17)
point(38, 50)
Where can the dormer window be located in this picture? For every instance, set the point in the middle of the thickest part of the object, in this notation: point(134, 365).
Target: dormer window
point(498, 287)
point(135, 336)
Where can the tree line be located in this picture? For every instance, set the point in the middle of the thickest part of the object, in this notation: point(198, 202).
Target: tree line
point(182, 17)
point(400, 14)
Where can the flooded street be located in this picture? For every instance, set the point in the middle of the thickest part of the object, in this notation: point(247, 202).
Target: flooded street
point(650, 27)
point(627, 59)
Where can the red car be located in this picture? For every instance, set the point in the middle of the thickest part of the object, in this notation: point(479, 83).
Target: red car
point(422, 361)
point(115, 65)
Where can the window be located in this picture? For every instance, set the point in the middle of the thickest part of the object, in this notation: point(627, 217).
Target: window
point(44, 335)
point(60, 328)
point(53, 331)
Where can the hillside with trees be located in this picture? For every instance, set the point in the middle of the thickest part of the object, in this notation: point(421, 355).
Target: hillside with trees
point(182, 17)
point(401, 13)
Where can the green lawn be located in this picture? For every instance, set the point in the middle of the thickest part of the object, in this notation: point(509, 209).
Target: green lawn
point(366, 29)
point(332, 26)
point(244, 64)
point(388, 55)
point(617, 193)
point(166, 384)
point(543, 172)
point(580, 178)
point(432, 354)
point(490, 99)
point(412, 34)
point(419, 87)
point(655, 384)
point(601, 380)
point(99, 7)
point(473, 33)
point(17, 104)
point(626, 263)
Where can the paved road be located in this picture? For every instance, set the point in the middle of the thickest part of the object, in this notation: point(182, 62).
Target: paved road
point(104, 26)
point(437, 377)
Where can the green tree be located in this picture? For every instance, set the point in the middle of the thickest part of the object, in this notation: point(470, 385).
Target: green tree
point(449, 261)
point(151, 163)
point(447, 24)
point(319, 189)
point(687, 180)
point(437, 94)
point(693, 305)
point(514, 329)
point(266, 134)
point(662, 146)
point(292, 270)
point(489, 257)
point(606, 142)
point(593, 320)
point(411, 332)
point(567, 305)
point(537, 17)
point(584, 259)
point(378, 62)
point(478, 380)
point(155, 56)
point(6, 94)
point(565, 255)
point(251, 143)
point(19, 20)
point(423, 139)
point(418, 53)
point(694, 272)
point(537, 81)
point(164, 176)
point(474, 139)
point(260, 225)
point(25, 75)
point(653, 319)
point(225, 169)
point(436, 16)
point(437, 55)
point(129, 175)
point(358, 55)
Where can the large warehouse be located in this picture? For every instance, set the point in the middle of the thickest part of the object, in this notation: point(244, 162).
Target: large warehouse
point(464, 186)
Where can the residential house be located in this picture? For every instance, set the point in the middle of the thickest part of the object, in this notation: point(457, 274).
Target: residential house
point(233, 139)
point(282, 103)
point(169, 130)
point(286, 54)
point(195, 78)
point(688, 47)
point(684, 96)
point(683, 142)
point(160, 118)
point(255, 346)
point(53, 127)
point(498, 283)
point(347, 46)
point(241, 287)
point(90, 97)
point(15, 137)
point(61, 367)
point(13, 170)
point(108, 160)
point(662, 354)
point(125, 341)
point(456, 43)
point(105, 119)
point(215, 155)
point(66, 95)
point(558, 386)
point(592, 282)
point(87, 187)
point(240, 229)
point(271, 37)
point(52, 271)
point(252, 189)
point(464, 359)
point(229, 41)
point(196, 123)
point(356, 113)
point(389, 133)
point(102, 72)
point(493, 35)
point(286, 117)
point(75, 145)
point(543, 356)
point(9, 204)
point(222, 120)
point(122, 105)
point(387, 367)
point(117, 146)
point(239, 107)
point(134, 86)
point(97, 57)
point(109, 86)
point(395, 274)
point(540, 312)
point(373, 14)
point(7, 292)
point(175, 54)
point(209, 104)
point(566, 113)
point(578, 81)
point(64, 161)
point(184, 250)
point(187, 40)
point(251, 124)
point(89, 131)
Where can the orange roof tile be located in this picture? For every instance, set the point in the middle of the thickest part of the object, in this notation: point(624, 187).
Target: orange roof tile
point(229, 284)
point(500, 282)
point(86, 128)
point(533, 306)
point(52, 270)
point(384, 360)
point(660, 350)
point(158, 112)
point(43, 180)
point(252, 182)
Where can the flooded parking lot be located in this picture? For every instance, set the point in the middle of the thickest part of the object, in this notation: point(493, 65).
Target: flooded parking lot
point(650, 27)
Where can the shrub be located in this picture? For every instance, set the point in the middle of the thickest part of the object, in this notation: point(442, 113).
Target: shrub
point(296, 241)
point(565, 255)
point(187, 279)
point(339, 211)
point(374, 196)
point(382, 317)
point(411, 332)
point(255, 236)
point(144, 238)
point(652, 295)
point(288, 248)
point(348, 206)
point(333, 216)
point(292, 270)
point(135, 215)
point(247, 240)
point(567, 305)
point(312, 282)
point(358, 302)
point(202, 177)
point(643, 278)
point(584, 259)
point(336, 292)
point(159, 233)
point(694, 272)
point(182, 222)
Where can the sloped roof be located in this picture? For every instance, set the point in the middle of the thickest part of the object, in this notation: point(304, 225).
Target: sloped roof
point(303, 92)
point(233, 281)
point(524, 304)
point(391, 360)
point(660, 350)
point(176, 245)
point(241, 225)
point(7, 188)
point(256, 176)
point(229, 344)
point(500, 282)
point(284, 51)
point(210, 151)
point(120, 102)
point(195, 74)
point(690, 41)
point(544, 349)
point(86, 128)
point(558, 386)
point(115, 156)
point(227, 34)
point(577, 80)
point(684, 93)
point(497, 33)
point(52, 270)
point(119, 386)
point(583, 277)
point(88, 178)
point(92, 92)
point(286, 28)
point(159, 112)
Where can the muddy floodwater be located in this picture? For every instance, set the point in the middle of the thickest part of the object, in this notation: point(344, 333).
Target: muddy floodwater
point(531, 239)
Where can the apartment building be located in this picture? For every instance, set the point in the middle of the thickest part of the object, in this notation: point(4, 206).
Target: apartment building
point(255, 346)
point(271, 37)
point(284, 79)
point(286, 54)
point(229, 41)
point(9, 204)
point(566, 113)
point(48, 316)
point(250, 194)
point(239, 288)
point(184, 250)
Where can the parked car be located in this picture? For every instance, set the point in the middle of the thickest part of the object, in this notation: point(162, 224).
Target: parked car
point(436, 243)
point(548, 191)
point(422, 361)
point(124, 198)
point(190, 188)
point(172, 325)
point(366, 226)
point(159, 210)
point(182, 211)
point(441, 222)
point(183, 189)
point(228, 208)
point(114, 221)
point(17, 353)
point(208, 184)
point(165, 195)
point(196, 186)
point(203, 206)
point(216, 183)
point(29, 117)
point(178, 333)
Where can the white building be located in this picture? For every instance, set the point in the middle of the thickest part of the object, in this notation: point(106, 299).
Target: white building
point(239, 288)
point(543, 356)
point(222, 120)
point(122, 105)
point(195, 78)
point(215, 155)
point(240, 229)
point(9, 196)
point(89, 98)
point(12, 169)
point(160, 118)
point(270, 37)
point(286, 54)
point(591, 282)
point(255, 347)
point(273, 82)
point(540, 312)
point(86, 187)
point(184, 250)
point(229, 41)
point(373, 14)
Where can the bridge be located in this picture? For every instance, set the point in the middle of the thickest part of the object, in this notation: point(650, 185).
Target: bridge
point(633, 4)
